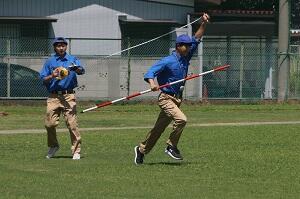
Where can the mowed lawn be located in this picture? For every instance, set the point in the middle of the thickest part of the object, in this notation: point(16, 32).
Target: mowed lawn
point(255, 161)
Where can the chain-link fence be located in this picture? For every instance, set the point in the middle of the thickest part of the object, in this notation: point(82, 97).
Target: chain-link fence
point(253, 67)
point(294, 81)
point(252, 74)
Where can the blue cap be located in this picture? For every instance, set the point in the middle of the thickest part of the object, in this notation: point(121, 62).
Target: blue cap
point(185, 39)
point(59, 40)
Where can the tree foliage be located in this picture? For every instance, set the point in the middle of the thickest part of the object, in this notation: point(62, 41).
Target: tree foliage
point(250, 4)
point(295, 14)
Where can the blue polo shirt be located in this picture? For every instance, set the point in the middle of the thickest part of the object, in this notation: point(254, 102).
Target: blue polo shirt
point(172, 68)
point(55, 61)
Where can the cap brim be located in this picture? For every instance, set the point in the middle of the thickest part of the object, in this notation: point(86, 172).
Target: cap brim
point(60, 42)
point(183, 43)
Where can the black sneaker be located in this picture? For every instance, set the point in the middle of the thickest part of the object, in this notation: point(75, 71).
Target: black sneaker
point(173, 152)
point(139, 157)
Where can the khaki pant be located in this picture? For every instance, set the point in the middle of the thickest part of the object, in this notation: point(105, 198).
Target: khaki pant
point(65, 104)
point(169, 111)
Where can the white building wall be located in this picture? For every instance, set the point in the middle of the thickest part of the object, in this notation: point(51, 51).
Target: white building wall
point(95, 18)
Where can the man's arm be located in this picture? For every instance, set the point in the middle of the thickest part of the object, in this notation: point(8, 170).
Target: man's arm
point(153, 71)
point(200, 32)
point(48, 78)
point(46, 74)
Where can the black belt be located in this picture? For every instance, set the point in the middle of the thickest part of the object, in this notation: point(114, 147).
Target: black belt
point(171, 94)
point(63, 92)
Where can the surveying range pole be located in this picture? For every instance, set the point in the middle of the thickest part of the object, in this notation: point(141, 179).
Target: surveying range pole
point(283, 50)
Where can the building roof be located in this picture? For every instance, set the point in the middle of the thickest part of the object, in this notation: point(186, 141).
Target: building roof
point(217, 2)
point(147, 21)
point(26, 19)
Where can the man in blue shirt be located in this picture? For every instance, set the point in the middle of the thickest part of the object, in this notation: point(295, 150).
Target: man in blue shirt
point(169, 69)
point(59, 75)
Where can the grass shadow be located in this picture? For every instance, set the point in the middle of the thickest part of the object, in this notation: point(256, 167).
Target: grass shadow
point(168, 163)
point(63, 157)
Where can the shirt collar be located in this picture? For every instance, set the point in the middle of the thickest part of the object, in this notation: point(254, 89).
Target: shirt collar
point(177, 55)
point(66, 57)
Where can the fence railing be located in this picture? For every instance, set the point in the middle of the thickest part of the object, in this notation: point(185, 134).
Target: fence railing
point(252, 75)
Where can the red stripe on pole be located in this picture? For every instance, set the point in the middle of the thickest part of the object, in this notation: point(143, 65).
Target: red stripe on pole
point(222, 67)
point(104, 104)
point(133, 95)
point(192, 77)
point(165, 85)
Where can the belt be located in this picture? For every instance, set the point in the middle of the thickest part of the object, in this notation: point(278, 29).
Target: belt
point(63, 92)
point(171, 94)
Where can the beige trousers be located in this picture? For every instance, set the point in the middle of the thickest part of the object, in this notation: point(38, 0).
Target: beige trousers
point(65, 104)
point(169, 112)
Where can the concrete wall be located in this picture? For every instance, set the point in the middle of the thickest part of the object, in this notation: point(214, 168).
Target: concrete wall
point(107, 78)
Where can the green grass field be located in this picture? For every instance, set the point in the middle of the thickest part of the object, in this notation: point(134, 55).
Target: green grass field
point(236, 162)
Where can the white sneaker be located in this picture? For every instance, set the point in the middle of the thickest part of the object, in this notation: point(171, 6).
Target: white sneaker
point(76, 156)
point(52, 151)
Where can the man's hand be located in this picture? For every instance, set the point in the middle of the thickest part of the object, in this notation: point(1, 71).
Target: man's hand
point(55, 73)
point(59, 73)
point(73, 67)
point(205, 18)
point(153, 86)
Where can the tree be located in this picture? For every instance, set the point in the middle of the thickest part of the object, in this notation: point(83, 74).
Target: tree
point(250, 4)
point(295, 14)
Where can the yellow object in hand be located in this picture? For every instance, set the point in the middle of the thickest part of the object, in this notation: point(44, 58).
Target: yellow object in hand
point(62, 73)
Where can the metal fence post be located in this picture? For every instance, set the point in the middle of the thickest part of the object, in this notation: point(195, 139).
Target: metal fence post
point(128, 67)
point(268, 93)
point(283, 48)
point(228, 60)
point(70, 45)
point(8, 45)
point(200, 81)
point(242, 70)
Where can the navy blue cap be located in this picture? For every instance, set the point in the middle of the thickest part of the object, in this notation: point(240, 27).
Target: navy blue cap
point(185, 39)
point(59, 40)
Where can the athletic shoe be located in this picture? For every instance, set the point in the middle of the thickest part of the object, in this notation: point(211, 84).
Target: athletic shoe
point(76, 156)
point(139, 157)
point(173, 152)
point(52, 151)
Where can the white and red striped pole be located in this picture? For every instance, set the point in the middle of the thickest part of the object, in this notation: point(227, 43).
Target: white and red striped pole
point(224, 67)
